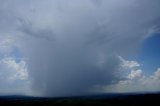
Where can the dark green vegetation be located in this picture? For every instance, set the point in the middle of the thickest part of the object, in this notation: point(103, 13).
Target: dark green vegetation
point(98, 100)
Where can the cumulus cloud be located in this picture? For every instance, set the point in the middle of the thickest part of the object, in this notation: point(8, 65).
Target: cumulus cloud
point(157, 73)
point(135, 81)
point(135, 74)
point(128, 64)
point(19, 68)
point(13, 77)
point(70, 46)
point(13, 69)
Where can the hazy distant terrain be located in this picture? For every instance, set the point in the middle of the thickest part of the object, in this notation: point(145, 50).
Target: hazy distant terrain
point(95, 100)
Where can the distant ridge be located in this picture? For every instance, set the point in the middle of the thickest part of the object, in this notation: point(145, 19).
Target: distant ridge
point(110, 99)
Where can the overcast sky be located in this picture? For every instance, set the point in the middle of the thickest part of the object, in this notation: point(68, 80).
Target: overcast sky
point(77, 47)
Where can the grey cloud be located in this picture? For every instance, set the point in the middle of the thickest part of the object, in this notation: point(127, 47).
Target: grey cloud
point(97, 2)
point(30, 30)
point(83, 41)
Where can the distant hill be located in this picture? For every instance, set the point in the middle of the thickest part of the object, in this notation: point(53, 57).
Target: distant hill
point(125, 99)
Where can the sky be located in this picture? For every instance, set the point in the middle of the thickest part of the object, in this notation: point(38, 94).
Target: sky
point(55, 48)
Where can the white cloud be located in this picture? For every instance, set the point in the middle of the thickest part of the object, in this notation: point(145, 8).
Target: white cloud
point(13, 76)
point(128, 64)
point(10, 64)
point(18, 69)
point(135, 74)
point(157, 73)
point(135, 81)
point(13, 69)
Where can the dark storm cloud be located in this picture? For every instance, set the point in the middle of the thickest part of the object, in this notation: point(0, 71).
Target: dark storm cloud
point(85, 38)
